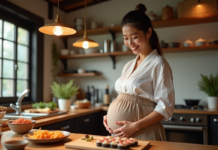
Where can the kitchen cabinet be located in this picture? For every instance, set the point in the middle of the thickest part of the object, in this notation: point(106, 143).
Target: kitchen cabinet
point(213, 129)
point(104, 132)
point(67, 125)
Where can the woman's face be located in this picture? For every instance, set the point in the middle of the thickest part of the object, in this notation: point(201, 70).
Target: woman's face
point(135, 39)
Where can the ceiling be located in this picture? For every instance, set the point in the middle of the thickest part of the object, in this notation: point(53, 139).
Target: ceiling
point(71, 5)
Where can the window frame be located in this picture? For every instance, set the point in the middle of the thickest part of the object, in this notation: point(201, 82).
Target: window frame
point(36, 45)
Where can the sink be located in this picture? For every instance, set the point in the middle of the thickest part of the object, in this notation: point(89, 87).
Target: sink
point(35, 116)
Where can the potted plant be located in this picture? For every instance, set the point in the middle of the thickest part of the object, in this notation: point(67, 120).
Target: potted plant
point(210, 86)
point(64, 92)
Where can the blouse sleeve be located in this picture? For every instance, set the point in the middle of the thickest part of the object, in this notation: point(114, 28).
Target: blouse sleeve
point(164, 94)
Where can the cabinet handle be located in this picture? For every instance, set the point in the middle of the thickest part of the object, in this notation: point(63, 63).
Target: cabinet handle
point(86, 120)
point(215, 120)
point(65, 127)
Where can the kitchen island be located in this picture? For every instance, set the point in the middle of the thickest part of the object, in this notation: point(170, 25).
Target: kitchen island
point(154, 145)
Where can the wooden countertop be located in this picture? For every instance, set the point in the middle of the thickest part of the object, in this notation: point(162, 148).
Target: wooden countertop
point(154, 145)
point(81, 112)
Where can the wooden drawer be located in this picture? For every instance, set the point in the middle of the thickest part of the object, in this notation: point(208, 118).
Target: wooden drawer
point(213, 121)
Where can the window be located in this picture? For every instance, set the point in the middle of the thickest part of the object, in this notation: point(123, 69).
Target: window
point(14, 59)
point(21, 54)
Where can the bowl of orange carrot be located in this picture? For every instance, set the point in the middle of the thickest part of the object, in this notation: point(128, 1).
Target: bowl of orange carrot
point(21, 125)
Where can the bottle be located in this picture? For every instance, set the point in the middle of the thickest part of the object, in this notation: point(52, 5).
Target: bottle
point(88, 94)
point(106, 96)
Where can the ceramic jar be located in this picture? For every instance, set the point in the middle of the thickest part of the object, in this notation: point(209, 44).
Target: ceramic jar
point(152, 16)
point(94, 25)
point(81, 71)
point(187, 43)
point(200, 42)
point(167, 13)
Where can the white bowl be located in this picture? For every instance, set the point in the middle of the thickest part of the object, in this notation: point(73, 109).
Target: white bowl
point(80, 71)
point(2, 114)
point(64, 52)
point(90, 50)
point(200, 43)
point(4, 121)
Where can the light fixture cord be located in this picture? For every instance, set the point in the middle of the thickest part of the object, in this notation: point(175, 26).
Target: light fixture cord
point(58, 7)
point(85, 21)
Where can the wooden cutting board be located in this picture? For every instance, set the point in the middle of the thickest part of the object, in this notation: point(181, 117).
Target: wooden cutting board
point(91, 145)
point(50, 112)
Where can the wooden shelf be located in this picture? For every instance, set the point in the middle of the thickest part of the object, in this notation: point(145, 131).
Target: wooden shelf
point(121, 53)
point(156, 24)
point(78, 75)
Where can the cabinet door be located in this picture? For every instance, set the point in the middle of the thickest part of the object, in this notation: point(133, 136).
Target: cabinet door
point(104, 132)
point(89, 124)
point(213, 121)
point(67, 125)
point(213, 136)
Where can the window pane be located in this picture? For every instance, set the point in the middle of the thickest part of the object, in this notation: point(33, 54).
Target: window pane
point(8, 88)
point(23, 36)
point(0, 48)
point(22, 53)
point(8, 49)
point(9, 30)
point(22, 70)
point(8, 69)
point(21, 86)
point(0, 28)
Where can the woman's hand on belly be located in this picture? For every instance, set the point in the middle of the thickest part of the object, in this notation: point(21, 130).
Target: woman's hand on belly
point(128, 128)
point(105, 124)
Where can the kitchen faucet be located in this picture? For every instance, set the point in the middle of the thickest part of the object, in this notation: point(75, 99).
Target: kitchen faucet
point(17, 108)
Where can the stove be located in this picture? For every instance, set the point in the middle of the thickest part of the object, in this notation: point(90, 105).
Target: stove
point(199, 107)
point(187, 128)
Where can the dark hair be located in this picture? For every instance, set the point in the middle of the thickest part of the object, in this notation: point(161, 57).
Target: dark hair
point(141, 21)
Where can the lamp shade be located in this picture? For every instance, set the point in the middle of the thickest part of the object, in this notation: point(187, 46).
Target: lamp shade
point(80, 43)
point(48, 29)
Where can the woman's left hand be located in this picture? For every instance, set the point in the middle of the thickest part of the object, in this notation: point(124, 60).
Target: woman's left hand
point(128, 129)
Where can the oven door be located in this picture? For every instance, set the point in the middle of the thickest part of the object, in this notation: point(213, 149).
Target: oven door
point(186, 134)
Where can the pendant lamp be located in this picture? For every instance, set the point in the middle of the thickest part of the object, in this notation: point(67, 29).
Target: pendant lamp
point(57, 28)
point(85, 42)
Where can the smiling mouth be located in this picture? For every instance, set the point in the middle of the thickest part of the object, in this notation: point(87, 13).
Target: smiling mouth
point(135, 48)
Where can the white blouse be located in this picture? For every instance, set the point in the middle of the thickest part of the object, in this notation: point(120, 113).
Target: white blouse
point(152, 79)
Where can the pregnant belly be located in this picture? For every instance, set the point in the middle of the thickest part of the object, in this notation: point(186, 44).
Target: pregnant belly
point(120, 112)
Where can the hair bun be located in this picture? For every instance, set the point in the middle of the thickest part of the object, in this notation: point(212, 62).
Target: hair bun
point(141, 7)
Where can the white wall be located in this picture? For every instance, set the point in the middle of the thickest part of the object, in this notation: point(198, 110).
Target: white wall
point(186, 66)
point(40, 8)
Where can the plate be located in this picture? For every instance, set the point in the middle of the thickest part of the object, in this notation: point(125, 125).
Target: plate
point(26, 136)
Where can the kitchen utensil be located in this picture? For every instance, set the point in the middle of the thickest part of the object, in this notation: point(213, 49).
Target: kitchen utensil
point(107, 46)
point(163, 44)
point(192, 102)
point(167, 13)
point(174, 44)
point(2, 114)
point(80, 71)
point(188, 43)
point(200, 42)
point(213, 42)
point(91, 145)
point(113, 46)
point(152, 16)
point(21, 128)
point(64, 52)
point(15, 144)
point(26, 136)
point(125, 48)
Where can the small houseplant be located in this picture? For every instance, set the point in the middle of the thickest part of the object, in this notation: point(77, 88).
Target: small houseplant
point(64, 92)
point(210, 86)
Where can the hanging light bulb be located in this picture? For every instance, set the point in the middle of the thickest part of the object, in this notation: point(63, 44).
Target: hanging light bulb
point(57, 28)
point(85, 42)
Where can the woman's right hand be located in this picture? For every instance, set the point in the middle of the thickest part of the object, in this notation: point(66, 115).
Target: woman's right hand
point(105, 124)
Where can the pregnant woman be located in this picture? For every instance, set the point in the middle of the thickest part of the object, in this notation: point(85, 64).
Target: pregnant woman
point(146, 91)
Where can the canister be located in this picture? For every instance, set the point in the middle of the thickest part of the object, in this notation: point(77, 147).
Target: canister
point(113, 46)
point(106, 46)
